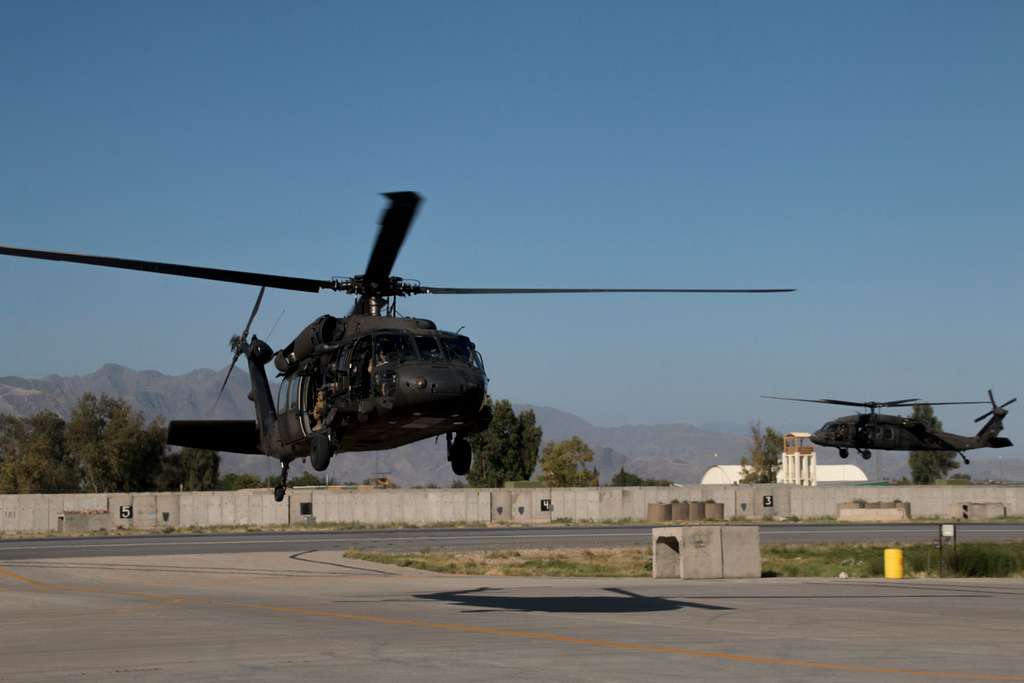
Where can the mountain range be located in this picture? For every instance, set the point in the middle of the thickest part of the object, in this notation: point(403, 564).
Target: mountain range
point(678, 452)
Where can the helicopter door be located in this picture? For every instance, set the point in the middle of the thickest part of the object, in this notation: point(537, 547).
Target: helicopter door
point(344, 377)
point(360, 367)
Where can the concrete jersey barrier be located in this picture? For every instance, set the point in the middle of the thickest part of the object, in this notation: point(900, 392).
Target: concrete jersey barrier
point(73, 513)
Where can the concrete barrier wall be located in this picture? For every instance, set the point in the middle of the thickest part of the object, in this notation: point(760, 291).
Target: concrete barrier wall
point(85, 512)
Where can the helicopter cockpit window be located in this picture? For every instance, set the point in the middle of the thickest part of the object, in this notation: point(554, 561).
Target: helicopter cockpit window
point(429, 348)
point(459, 348)
point(389, 348)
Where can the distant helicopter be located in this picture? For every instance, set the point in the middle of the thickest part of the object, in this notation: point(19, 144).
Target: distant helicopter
point(865, 431)
point(369, 380)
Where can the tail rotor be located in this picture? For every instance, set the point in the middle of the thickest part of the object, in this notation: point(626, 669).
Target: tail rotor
point(239, 343)
point(998, 410)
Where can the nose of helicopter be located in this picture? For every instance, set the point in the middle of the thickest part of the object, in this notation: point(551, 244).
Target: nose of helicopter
point(443, 390)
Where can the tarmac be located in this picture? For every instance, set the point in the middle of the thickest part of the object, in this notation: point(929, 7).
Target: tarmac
point(316, 615)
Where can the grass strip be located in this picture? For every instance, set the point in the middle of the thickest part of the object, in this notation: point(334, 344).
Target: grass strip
point(825, 560)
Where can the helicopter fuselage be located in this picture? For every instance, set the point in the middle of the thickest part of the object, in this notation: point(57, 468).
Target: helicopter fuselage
point(868, 431)
point(376, 382)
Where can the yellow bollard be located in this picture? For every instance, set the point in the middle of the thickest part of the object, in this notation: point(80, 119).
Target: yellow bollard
point(893, 563)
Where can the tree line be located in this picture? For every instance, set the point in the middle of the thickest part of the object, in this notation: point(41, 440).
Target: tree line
point(104, 446)
point(107, 446)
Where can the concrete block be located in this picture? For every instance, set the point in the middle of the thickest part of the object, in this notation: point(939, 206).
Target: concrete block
point(521, 502)
point(771, 500)
point(116, 502)
point(541, 504)
point(301, 509)
point(741, 552)
point(700, 553)
point(850, 513)
point(687, 552)
point(632, 503)
point(659, 512)
point(167, 510)
point(588, 504)
point(744, 496)
point(610, 504)
point(501, 505)
point(83, 522)
point(978, 511)
point(84, 502)
point(714, 511)
point(144, 511)
point(8, 513)
point(665, 544)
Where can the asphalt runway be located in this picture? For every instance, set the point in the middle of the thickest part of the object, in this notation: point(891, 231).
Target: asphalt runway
point(315, 615)
point(469, 539)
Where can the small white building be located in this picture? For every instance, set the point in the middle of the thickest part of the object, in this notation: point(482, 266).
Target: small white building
point(723, 474)
point(799, 467)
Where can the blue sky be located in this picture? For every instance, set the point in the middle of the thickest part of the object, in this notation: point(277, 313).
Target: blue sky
point(869, 154)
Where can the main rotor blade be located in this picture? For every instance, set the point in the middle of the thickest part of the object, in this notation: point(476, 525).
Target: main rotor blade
point(903, 403)
point(394, 225)
point(830, 401)
point(426, 289)
point(238, 276)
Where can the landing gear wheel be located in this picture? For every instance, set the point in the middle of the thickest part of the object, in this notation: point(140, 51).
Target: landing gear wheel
point(844, 453)
point(320, 452)
point(460, 455)
point(279, 493)
point(866, 454)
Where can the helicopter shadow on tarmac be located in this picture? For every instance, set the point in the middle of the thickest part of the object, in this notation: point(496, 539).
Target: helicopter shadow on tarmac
point(490, 600)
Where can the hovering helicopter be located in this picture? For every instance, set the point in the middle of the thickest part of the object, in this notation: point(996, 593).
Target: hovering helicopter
point(369, 380)
point(865, 431)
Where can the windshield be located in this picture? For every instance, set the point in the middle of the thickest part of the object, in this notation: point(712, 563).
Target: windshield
point(429, 348)
point(390, 348)
point(459, 348)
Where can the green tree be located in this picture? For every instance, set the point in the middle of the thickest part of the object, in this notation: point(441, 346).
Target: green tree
point(192, 469)
point(564, 463)
point(34, 456)
point(236, 482)
point(114, 447)
point(927, 466)
point(624, 478)
point(507, 450)
point(765, 456)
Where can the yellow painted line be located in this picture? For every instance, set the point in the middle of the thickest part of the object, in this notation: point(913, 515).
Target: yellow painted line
point(24, 579)
point(529, 635)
